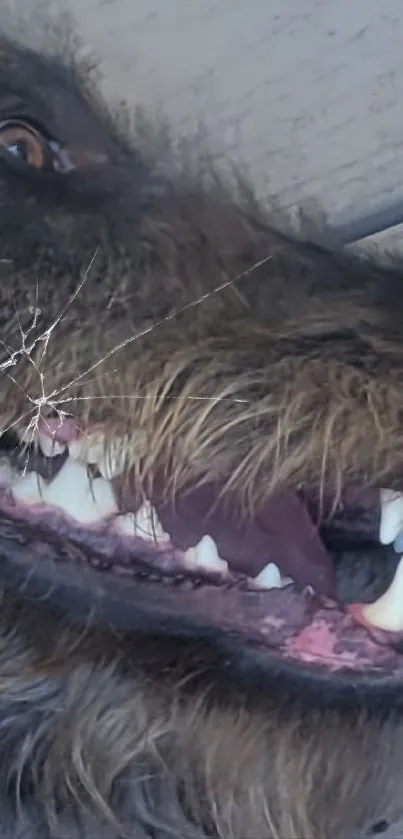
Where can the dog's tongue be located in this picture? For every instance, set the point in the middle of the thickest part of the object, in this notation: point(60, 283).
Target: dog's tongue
point(283, 533)
point(292, 537)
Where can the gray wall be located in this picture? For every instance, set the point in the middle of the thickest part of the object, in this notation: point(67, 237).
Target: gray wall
point(307, 93)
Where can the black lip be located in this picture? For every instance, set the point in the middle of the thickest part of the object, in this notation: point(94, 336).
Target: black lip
point(45, 570)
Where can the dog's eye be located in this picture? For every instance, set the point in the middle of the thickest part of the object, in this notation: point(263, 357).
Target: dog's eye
point(26, 146)
point(24, 143)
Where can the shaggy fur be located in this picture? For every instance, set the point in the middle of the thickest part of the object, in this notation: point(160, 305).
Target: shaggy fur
point(157, 301)
point(101, 738)
point(242, 355)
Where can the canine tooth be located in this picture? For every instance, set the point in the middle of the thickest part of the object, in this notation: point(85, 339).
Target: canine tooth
point(29, 488)
point(206, 556)
point(49, 446)
point(73, 493)
point(387, 612)
point(391, 516)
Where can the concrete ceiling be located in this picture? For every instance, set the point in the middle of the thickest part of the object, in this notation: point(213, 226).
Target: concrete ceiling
point(306, 93)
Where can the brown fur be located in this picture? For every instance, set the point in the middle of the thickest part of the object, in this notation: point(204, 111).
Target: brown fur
point(103, 741)
point(170, 309)
point(272, 377)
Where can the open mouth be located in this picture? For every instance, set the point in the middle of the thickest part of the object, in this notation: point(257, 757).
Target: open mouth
point(324, 596)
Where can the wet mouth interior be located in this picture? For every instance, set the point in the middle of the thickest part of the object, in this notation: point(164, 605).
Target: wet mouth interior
point(327, 597)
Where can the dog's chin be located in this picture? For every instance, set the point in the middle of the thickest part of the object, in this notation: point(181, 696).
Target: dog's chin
point(75, 531)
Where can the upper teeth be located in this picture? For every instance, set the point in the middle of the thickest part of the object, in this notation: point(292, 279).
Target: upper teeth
point(49, 446)
point(391, 516)
point(91, 502)
point(145, 524)
point(71, 491)
point(387, 612)
point(205, 556)
point(91, 448)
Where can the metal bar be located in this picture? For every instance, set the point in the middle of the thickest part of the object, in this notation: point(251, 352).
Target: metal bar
point(377, 221)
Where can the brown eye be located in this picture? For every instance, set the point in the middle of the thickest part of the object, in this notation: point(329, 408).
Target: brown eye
point(24, 143)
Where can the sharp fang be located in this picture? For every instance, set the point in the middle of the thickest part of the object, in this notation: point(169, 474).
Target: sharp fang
point(148, 526)
point(86, 502)
point(387, 612)
point(391, 516)
point(49, 446)
point(29, 488)
point(205, 556)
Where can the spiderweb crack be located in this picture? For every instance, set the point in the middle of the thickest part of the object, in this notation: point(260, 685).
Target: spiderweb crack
point(51, 402)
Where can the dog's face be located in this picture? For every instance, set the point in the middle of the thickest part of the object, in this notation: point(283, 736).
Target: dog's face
point(176, 384)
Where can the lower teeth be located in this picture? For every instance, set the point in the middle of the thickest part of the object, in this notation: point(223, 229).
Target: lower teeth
point(270, 577)
point(93, 502)
point(144, 524)
point(204, 557)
